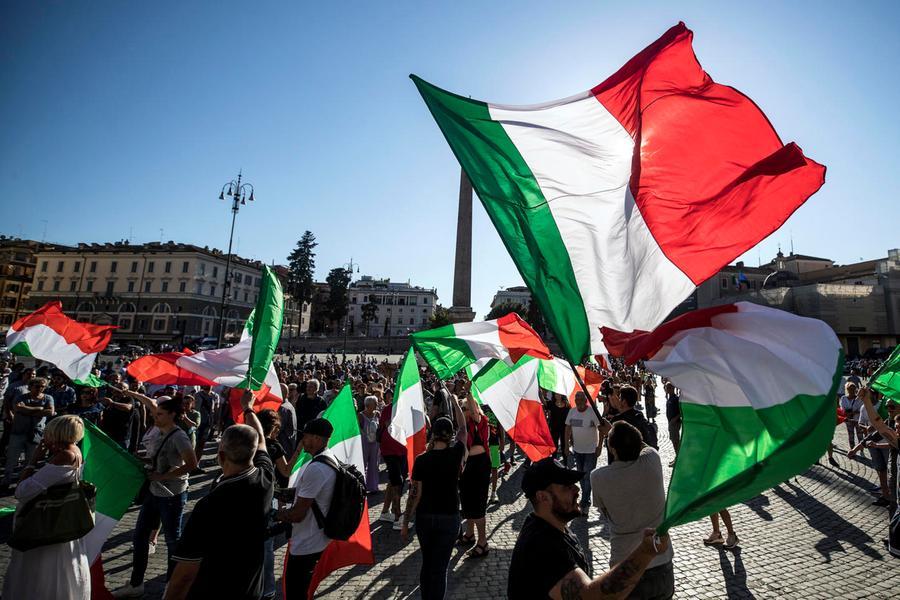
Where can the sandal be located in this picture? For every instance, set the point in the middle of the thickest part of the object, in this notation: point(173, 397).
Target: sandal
point(465, 540)
point(478, 551)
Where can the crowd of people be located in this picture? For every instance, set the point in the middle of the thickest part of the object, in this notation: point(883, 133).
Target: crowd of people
point(447, 489)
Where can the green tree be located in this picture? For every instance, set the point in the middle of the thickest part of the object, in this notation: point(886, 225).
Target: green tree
point(301, 266)
point(504, 309)
point(338, 281)
point(369, 310)
point(440, 317)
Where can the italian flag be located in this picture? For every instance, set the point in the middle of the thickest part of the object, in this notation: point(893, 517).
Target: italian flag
point(118, 477)
point(513, 393)
point(346, 444)
point(886, 380)
point(452, 348)
point(48, 334)
point(757, 400)
point(557, 376)
point(408, 412)
point(246, 364)
point(617, 202)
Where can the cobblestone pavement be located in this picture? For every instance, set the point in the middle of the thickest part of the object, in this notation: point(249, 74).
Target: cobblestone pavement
point(815, 536)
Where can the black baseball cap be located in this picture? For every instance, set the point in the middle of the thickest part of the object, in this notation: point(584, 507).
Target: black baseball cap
point(320, 427)
point(546, 472)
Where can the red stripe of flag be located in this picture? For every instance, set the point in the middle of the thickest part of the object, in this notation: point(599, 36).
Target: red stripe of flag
point(88, 337)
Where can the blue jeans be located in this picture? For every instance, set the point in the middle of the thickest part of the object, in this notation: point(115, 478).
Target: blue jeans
point(437, 536)
point(586, 463)
point(19, 443)
point(157, 512)
point(269, 568)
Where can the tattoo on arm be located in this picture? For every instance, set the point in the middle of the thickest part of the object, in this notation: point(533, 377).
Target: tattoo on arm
point(624, 575)
point(571, 587)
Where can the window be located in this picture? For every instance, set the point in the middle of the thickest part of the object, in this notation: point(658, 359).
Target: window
point(124, 323)
point(134, 264)
point(150, 266)
point(202, 270)
point(56, 286)
point(165, 286)
point(411, 321)
point(130, 286)
point(93, 268)
point(110, 287)
point(235, 294)
point(40, 285)
point(77, 267)
point(90, 285)
point(159, 324)
point(184, 267)
point(199, 288)
point(212, 290)
point(724, 282)
point(142, 323)
point(44, 267)
point(245, 297)
point(238, 278)
point(73, 285)
point(182, 286)
point(365, 299)
point(113, 266)
point(168, 266)
point(60, 266)
point(147, 285)
point(215, 271)
point(426, 300)
point(353, 300)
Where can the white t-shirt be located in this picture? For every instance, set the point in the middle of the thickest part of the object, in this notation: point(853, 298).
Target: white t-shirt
point(854, 405)
point(316, 481)
point(585, 435)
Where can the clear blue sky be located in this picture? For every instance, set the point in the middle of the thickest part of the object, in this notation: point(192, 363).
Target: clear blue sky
point(124, 118)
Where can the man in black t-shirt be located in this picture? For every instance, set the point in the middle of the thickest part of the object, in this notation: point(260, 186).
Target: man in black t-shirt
point(548, 561)
point(221, 551)
point(624, 402)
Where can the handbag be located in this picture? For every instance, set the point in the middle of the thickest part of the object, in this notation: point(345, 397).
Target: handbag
point(145, 487)
point(61, 513)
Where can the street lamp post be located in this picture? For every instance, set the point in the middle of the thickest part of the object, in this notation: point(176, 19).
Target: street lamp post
point(237, 191)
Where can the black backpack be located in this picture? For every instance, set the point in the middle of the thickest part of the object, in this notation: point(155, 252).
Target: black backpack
point(347, 503)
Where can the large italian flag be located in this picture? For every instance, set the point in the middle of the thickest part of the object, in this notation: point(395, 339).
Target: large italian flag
point(246, 364)
point(48, 334)
point(513, 393)
point(557, 376)
point(757, 388)
point(346, 444)
point(408, 411)
point(616, 202)
point(452, 348)
point(118, 477)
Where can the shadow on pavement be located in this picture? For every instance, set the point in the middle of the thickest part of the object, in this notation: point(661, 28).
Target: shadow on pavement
point(822, 518)
point(735, 575)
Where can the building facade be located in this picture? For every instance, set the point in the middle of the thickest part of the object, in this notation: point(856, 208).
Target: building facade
point(17, 266)
point(518, 294)
point(155, 293)
point(397, 309)
point(860, 301)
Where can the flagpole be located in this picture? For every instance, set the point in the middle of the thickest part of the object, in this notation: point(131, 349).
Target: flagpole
point(590, 400)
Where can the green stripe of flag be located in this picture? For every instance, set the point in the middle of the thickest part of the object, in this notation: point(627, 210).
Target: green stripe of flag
point(341, 413)
point(445, 353)
point(265, 329)
point(516, 205)
point(116, 473)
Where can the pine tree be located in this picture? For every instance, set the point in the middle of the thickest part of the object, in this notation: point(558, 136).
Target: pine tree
point(301, 268)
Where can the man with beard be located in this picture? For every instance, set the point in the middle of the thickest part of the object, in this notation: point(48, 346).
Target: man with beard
point(548, 562)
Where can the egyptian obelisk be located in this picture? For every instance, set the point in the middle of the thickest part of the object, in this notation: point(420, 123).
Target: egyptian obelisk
point(461, 311)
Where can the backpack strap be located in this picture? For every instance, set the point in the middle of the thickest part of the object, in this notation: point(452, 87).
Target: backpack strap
point(317, 512)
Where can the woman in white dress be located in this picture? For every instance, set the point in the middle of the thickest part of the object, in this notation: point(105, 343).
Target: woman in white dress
point(59, 571)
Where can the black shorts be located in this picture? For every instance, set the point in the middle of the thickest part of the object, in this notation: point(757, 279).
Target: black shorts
point(396, 469)
point(473, 486)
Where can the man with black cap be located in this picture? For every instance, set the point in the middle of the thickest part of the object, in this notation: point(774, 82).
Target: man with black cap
point(315, 484)
point(548, 562)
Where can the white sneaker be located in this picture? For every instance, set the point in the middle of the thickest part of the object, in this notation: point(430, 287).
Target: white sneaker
point(129, 591)
point(387, 516)
point(398, 524)
point(152, 549)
